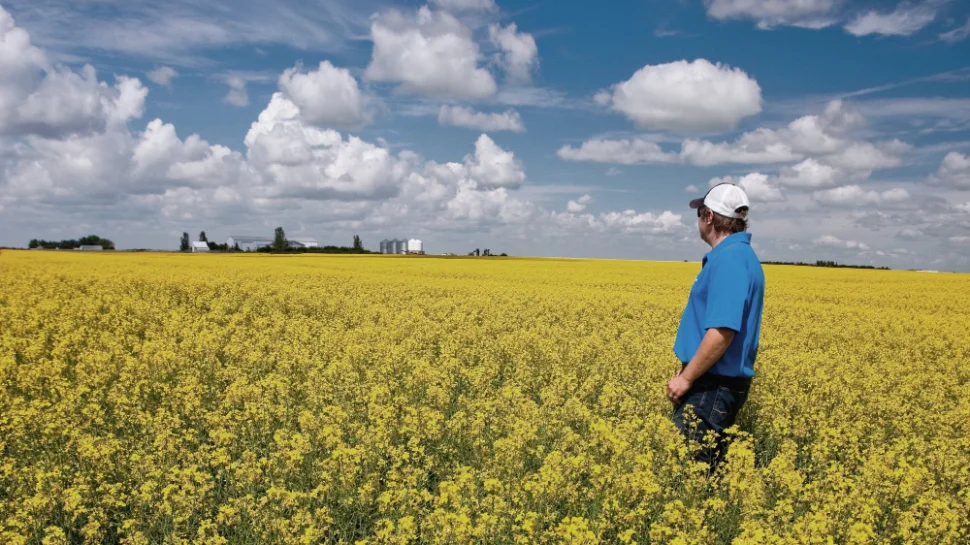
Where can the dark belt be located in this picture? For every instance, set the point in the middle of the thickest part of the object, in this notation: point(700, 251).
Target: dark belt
point(712, 380)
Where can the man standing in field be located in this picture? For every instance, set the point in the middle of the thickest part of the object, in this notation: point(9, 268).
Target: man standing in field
point(718, 336)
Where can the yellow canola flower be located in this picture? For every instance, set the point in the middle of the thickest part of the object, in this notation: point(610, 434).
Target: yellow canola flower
point(367, 400)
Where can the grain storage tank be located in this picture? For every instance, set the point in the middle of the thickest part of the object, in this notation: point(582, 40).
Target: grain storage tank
point(384, 244)
point(415, 246)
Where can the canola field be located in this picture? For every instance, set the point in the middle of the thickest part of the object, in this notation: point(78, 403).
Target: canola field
point(244, 399)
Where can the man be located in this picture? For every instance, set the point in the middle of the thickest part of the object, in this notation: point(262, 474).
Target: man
point(717, 340)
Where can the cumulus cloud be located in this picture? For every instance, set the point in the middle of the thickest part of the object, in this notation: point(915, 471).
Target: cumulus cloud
point(163, 75)
point(579, 204)
point(836, 242)
point(685, 96)
point(751, 148)
point(631, 221)
point(431, 54)
point(757, 186)
point(327, 97)
point(825, 137)
point(493, 167)
point(954, 171)
point(237, 95)
point(809, 174)
point(460, 116)
point(465, 5)
point(855, 196)
point(626, 152)
point(613, 171)
point(772, 13)
point(519, 54)
point(300, 160)
point(907, 19)
point(39, 98)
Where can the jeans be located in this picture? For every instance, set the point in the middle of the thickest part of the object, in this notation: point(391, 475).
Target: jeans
point(716, 401)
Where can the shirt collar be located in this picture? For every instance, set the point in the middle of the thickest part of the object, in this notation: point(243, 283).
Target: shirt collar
point(736, 238)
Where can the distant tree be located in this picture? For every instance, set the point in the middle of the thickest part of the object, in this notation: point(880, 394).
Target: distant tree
point(235, 247)
point(477, 252)
point(357, 244)
point(503, 254)
point(487, 252)
point(202, 237)
point(279, 241)
point(184, 243)
point(34, 243)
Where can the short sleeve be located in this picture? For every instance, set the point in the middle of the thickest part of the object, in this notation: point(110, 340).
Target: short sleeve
point(727, 293)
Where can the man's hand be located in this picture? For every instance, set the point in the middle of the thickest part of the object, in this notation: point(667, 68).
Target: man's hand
point(678, 387)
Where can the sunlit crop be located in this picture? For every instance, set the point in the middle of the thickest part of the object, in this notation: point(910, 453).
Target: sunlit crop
point(160, 398)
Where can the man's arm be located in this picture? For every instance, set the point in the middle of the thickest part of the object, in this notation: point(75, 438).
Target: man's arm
point(715, 342)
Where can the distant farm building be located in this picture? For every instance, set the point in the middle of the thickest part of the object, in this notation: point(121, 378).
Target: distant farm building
point(90, 248)
point(248, 243)
point(303, 243)
point(200, 246)
point(402, 246)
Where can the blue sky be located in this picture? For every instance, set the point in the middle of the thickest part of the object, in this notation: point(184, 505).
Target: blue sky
point(535, 128)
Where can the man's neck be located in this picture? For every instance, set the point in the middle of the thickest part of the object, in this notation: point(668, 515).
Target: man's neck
point(718, 238)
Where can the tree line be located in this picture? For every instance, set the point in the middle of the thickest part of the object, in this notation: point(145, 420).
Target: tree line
point(280, 245)
point(823, 263)
point(70, 244)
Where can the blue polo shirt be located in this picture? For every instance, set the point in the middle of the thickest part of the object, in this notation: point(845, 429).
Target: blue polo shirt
point(728, 292)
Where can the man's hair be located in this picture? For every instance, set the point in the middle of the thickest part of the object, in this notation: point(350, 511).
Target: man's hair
point(724, 224)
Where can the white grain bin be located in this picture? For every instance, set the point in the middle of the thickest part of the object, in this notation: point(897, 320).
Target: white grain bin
point(384, 244)
point(415, 246)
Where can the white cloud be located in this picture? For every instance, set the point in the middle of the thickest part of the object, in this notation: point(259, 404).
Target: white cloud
point(466, 5)
point(180, 32)
point(579, 204)
point(809, 174)
point(237, 95)
point(826, 137)
point(954, 171)
point(856, 196)
point(327, 97)
point(751, 148)
point(691, 189)
point(163, 75)
point(957, 34)
point(830, 240)
point(861, 156)
point(613, 171)
point(756, 185)
point(772, 13)
point(520, 56)
point(303, 161)
point(906, 20)
point(431, 54)
point(631, 221)
point(37, 98)
point(686, 96)
point(625, 152)
point(459, 116)
point(492, 167)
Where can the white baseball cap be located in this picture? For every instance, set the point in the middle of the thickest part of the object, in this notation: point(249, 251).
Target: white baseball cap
point(725, 199)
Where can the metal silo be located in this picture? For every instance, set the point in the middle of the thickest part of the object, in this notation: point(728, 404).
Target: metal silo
point(384, 244)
